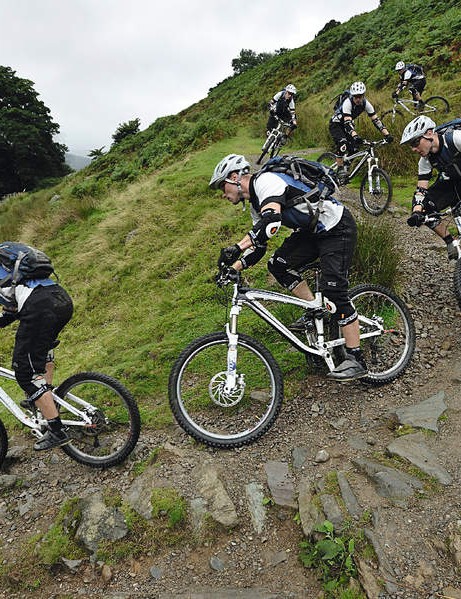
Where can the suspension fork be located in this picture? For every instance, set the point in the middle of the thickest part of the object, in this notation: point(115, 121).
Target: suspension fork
point(372, 161)
point(232, 335)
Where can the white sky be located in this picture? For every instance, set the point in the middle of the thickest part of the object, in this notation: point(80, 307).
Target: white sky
point(98, 63)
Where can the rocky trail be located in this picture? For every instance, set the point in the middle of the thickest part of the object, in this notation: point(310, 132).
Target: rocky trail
point(248, 509)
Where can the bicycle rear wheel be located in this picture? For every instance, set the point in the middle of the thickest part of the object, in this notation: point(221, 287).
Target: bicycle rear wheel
point(436, 104)
point(376, 195)
point(328, 159)
point(386, 355)
point(115, 420)
point(3, 443)
point(213, 415)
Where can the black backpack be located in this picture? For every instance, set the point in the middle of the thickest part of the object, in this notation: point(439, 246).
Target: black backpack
point(23, 262)
point(303, 172)
point(338, 100)
point(449, 157)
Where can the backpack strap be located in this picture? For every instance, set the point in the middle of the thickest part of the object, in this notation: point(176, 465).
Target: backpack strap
point(17, 264)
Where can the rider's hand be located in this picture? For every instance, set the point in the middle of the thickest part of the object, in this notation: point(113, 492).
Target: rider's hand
point(395, 95)
point(389, 138)
point(229, 255)
point(358, 141)
point(416, 219)
point(454, 250)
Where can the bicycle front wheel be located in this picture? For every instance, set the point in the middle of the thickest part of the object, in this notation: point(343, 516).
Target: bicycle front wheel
point(388, 354)
point(376, 192)
point(436, 104)
point(393, 118)
point(268, 144)
point(213, 414)
point(115, 421)
point(3, 443)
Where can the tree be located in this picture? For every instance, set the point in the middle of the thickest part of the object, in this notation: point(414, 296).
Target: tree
point(96, 153)
point(126, 129)
point(248, 59)
point(28, 153)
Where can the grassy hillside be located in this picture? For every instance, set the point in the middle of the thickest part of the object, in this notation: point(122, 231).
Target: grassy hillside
point(135, 235)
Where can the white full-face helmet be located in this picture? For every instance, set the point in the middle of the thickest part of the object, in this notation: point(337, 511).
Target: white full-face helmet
point(291, 88)
point(229, 164)
point(358, 88)
point(417, 128)
point(400, 65)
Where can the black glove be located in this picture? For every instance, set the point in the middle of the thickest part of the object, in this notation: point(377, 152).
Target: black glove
point(229, 255)
point(357, 140)
point(389, 138)
point(395, 95)
point(416, 219)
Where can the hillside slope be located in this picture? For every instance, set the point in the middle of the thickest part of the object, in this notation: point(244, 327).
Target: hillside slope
point(135, 235)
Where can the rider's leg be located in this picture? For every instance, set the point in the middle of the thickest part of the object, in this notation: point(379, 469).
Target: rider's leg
point(45, 312)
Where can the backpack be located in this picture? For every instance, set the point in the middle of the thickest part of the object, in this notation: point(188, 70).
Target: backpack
point(415, 69)
point(306, 175)
point(338, 100)
point(450, 156)
point(303, 172)
point(23, 262)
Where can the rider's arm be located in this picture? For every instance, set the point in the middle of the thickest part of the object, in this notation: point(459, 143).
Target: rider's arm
point(7, 317)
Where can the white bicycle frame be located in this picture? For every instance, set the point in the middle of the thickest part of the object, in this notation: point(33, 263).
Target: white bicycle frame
point(253, 298)
point(37, 422)
point(370, 157)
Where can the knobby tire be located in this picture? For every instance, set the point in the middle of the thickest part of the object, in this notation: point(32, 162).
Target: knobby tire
point(377, 201)
point(3, 443)
point(209, 413)
point(116, 423)
point(388, 355)
point(439, 103)
point(457, 281)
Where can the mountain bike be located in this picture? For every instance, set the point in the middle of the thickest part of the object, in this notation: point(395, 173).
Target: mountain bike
point(226, 388)
point(276, 139)
point(404, 107)
point(434, 218)
point(98, 413)
point(376, 186)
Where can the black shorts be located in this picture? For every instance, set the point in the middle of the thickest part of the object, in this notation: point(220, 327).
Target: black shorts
point(44, 314)
point(443, 193)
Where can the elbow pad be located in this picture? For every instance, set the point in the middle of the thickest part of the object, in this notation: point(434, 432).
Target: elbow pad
point(418, 197)
point(378, 124)
point(266, 227)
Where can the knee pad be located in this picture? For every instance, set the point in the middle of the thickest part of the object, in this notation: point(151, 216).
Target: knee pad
point(342, 147)
point(34, 388)
point(340, 307)
point(283, 274)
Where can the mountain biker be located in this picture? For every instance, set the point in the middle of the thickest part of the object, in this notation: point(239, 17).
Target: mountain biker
point(282, 105)
point(342, 127)
point(411, 77)
point(332, 240)
point(440, 151)
point(42, 308)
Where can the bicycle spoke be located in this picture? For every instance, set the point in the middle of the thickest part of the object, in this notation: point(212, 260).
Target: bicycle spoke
point(376, 192)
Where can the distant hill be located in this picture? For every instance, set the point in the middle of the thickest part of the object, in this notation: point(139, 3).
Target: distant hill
point(77, 162)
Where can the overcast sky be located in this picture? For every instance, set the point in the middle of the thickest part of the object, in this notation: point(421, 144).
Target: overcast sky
point(98, 63)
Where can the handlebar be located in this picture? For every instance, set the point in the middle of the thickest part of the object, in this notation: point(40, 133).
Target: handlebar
point(227, 275)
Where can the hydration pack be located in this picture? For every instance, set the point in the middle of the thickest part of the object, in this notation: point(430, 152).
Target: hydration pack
point(415, 69)
point(449, 158)
point(304, 173)
point(339, 100)
point(23, 262)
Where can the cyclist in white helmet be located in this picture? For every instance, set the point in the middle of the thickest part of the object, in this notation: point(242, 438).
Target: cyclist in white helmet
point(330, 237)
point(412, 78)
point(350, 105)
point(439, 148)
point(282, 105)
